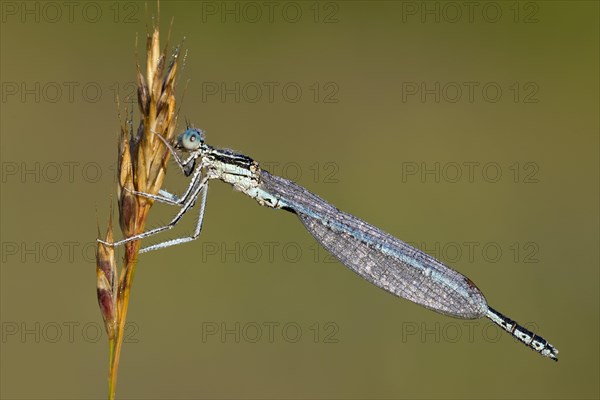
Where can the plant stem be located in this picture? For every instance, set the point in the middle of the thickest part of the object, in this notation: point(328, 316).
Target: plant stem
point(123, 304)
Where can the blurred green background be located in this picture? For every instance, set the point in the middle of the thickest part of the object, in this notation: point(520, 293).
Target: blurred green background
point(468, 130)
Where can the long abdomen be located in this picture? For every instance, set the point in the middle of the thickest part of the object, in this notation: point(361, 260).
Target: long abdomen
point(391, 264)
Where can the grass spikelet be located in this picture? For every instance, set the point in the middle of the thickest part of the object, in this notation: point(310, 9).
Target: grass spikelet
point(142, 163)
point(106, 282)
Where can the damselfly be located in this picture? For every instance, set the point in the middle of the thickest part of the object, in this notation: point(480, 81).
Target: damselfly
point(376, 256)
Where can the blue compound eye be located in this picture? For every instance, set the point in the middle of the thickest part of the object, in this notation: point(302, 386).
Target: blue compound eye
point(191, 139)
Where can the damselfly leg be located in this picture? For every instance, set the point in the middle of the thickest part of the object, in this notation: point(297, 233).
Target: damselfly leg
point(163, 196)
point(185, 165)
point(184, 208)
point(198, 184)
point(194, 236)
point(169, 198)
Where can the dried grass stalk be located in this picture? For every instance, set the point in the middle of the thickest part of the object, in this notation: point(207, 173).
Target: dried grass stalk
point(142, 166)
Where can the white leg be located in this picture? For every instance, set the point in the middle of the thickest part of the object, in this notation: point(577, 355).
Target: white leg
point(163, 196)
point(197, 231)
point(169, 198)
point(182, 163)
point(188, 204)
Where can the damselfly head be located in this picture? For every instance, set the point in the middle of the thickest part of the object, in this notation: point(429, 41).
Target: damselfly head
point(190, 140)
